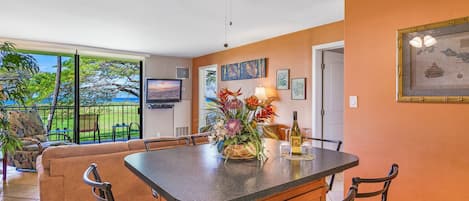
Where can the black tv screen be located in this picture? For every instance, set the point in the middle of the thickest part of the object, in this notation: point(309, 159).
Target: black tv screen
point(163, 90)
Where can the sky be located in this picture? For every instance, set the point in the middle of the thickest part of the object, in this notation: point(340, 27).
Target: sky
point(47, 63)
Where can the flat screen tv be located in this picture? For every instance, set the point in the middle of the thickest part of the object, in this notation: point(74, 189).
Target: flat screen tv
point(163, 90)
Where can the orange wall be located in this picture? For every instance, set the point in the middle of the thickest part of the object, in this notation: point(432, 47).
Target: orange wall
point(293, 51)
point(429, 141)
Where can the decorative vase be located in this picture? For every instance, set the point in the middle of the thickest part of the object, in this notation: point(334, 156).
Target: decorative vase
point(240, 151)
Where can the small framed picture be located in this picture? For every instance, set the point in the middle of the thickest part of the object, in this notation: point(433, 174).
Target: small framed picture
point(283, 79)
point(298, 88)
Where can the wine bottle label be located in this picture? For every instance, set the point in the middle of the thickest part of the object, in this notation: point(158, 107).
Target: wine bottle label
point(295, 142)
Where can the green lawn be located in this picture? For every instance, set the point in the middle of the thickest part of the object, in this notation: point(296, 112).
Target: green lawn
point(109, 115)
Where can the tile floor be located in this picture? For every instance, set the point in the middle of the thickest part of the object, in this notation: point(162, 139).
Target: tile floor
point(337, 192)
point(20, 186)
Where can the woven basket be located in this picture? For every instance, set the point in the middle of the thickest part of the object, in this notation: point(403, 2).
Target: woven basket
point(239, 152)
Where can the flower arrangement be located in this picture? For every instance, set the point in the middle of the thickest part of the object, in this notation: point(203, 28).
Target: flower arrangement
point(235, 131)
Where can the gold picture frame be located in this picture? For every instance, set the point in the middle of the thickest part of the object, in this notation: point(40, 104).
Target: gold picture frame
point(411, 67)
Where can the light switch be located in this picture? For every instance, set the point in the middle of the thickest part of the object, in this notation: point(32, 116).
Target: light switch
point(353, 102)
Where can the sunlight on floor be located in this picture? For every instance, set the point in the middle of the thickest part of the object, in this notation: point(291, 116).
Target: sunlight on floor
point(20, 186)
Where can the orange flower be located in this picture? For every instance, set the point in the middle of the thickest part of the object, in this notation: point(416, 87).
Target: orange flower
point(223, 95)
point(252, 102)
point(266, 112)
point(235, 93)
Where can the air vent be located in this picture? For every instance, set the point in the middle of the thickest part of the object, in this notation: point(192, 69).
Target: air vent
point(182, 131)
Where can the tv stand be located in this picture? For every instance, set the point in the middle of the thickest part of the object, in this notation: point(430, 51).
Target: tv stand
point(160, 106)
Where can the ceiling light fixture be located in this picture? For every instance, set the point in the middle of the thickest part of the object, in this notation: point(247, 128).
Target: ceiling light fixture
point(427, 41)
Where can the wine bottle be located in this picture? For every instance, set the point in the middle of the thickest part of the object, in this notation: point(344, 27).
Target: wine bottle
point(295, 136)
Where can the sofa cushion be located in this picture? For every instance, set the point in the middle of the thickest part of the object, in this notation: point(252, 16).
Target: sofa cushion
point(41, 138)
point(30, 147)
point(166, 144)
point(54, 144)
point(81, 150)
point(25, 123)
point(23, 159)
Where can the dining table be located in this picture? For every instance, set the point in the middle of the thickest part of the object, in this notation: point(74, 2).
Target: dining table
point(200, 173)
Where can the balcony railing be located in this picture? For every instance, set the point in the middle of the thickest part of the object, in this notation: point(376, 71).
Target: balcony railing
point(109, 116)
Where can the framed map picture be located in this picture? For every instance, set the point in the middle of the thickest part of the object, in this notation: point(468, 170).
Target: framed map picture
point(298, 88)
point(283, 79)
point(433, 62)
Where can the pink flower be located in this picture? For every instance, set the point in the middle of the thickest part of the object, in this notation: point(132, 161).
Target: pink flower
point(234, 104)
point(233, 127)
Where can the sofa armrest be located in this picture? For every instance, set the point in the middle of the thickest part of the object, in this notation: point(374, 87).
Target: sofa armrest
point(50, 187)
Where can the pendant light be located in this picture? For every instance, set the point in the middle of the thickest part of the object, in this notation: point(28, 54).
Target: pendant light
point(228, 22)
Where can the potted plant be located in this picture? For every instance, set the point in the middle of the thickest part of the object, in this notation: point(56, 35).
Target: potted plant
point(9, 143)
point(15, 70)
point(235, 132)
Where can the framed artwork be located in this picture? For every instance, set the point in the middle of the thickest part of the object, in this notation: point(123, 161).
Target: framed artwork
point(252, 69)
point(245, 70)
point(230, 72)
point(433, 62)
point(298, 88)
point(182, 73)
point(283, 79)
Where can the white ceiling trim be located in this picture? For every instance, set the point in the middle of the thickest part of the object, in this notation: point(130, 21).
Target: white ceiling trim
point(72, 49)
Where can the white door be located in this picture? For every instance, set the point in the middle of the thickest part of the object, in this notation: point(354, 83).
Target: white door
point(207, 88)
point(333, 77)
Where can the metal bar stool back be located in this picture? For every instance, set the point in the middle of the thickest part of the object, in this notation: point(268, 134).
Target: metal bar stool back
point(101, 190)
point(337, 148)
point(356, 181)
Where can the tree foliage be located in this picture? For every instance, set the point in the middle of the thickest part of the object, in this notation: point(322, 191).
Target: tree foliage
point(16, 69)
point(101, 79)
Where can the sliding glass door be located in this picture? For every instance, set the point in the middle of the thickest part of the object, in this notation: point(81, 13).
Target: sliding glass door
point(109, 99)
point(90, 99)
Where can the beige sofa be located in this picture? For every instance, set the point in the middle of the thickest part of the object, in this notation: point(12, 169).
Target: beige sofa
point(60, 171)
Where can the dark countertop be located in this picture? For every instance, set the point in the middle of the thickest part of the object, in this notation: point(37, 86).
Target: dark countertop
point(199, 172)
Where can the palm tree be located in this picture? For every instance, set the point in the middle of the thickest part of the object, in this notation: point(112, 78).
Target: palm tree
point(56, 93)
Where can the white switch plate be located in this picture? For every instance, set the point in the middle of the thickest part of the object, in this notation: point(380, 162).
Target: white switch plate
point(353, 102)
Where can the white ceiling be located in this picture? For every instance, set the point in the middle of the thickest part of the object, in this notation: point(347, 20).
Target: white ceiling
point(186, 28)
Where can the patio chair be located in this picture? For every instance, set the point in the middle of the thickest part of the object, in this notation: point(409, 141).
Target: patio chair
point(89, 123)
point(29, 128)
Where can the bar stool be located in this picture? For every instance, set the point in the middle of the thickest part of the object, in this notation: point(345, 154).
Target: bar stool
point(200, 135)
point(100, 190)
point(356, 181)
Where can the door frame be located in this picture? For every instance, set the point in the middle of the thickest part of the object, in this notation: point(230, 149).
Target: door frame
point(201, 84)
point(317, 85)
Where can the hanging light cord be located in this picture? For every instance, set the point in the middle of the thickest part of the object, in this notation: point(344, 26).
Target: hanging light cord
point(228, 12)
